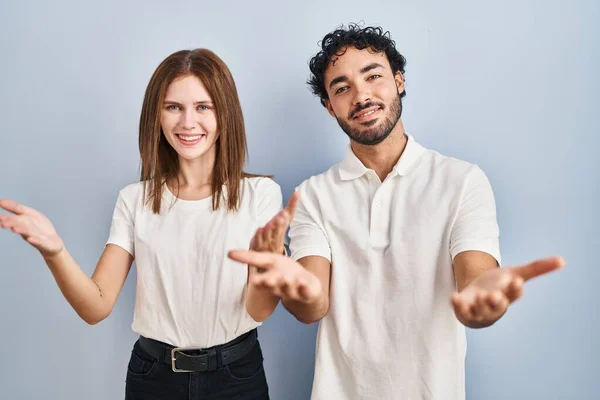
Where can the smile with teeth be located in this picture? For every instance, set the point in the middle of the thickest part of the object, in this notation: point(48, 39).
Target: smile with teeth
point(189, 138)
point(367, 113)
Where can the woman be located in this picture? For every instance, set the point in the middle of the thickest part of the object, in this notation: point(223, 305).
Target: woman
point(193, 204)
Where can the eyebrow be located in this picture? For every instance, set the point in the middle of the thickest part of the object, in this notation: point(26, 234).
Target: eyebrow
point(195, 103)
point(370, 67)
point(336, 80)
point(363, 70)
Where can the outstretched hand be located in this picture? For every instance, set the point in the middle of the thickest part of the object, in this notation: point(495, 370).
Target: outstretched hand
point(33, 226)
point(280, 275)
point(488, 296)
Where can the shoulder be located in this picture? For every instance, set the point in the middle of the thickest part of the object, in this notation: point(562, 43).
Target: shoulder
point(132, 195)
point(258, 189)
point(133, 189)
point(450, 171)
point(324, 181)
point(259, 183)
point(260, 186)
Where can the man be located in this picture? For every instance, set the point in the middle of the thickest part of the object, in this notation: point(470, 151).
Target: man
point(396, 246)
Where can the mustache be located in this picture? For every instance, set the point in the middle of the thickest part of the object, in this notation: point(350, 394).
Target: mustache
point(364, 106)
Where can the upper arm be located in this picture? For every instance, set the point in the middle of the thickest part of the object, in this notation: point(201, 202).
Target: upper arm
point(270, 201)
point(309, 244)
point(118, 255)
point(307, 233)
point(475, 226)
point(474, 238)
point(111, 272)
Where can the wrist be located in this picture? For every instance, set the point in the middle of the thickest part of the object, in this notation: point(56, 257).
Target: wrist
point(50, 257)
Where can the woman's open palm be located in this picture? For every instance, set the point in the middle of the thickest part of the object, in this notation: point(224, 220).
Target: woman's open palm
point(32, 225)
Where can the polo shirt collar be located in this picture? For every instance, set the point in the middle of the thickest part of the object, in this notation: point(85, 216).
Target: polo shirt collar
point(351, 167)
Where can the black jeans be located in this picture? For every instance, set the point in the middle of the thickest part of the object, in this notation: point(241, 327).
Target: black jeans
point(151, 379)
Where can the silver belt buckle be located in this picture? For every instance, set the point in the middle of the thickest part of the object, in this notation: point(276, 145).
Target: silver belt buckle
point(173, 359)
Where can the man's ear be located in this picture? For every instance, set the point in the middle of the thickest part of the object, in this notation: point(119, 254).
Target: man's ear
point(399, 78)
point(327, 105)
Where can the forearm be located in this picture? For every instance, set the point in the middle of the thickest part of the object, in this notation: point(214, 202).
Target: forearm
point(308, 312)
point(260, 303)
point(80, 291)
point(470, 265)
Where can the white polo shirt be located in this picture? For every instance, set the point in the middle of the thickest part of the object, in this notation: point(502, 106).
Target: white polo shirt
point(391, 332)
point(188, 292)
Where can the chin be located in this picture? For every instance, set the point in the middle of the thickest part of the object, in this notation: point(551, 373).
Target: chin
point(369, 138)
point(191, 154)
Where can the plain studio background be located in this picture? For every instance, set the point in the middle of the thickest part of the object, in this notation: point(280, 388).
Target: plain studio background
point(511, 86)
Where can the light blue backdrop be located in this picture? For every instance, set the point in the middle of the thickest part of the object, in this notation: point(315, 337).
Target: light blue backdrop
point(511, 86)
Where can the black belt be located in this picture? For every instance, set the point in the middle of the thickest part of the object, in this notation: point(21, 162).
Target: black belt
point(180, 359)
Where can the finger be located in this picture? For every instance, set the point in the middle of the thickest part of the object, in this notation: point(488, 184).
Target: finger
point(503, 305)
point(260, 238)
point(6, 221)
point(32, 240)
point(20, 230)
point(258, 280)
point(480, 309)
point(254, 270)
point(279, 219)
point(270, 225)
point(282, 285)
point(304, 292)
point(461, 307)
point(280, 232)
point(273, 221)
point(254, 258)
point(266, 280)
point(273, 282)
point(13, 222)
point(515, 289)
point(494, 300)
point(539, 267)
point(292, 205)
point(269, 234)
point(3, 221)
point(14, 207)
point(290, 288)
point(308, 289)
point(270, 280)
point(457, 303)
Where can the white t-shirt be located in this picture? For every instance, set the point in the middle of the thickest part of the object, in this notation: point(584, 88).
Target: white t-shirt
point(189, 293)
point(391, 332)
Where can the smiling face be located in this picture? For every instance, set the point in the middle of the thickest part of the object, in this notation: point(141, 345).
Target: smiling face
point(188, 119)
point(363, 94)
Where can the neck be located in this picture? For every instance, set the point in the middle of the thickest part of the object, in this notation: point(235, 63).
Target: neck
point(196, 173)
point(382, 157)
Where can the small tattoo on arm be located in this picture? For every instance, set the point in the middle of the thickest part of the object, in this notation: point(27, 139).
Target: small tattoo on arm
point(98, 286)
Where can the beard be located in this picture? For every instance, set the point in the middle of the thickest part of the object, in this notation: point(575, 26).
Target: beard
point(371, 135)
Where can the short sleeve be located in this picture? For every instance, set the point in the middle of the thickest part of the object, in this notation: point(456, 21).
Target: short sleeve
point(476, 226)
point(307, 234)
point(122, 227)
point(270, 201)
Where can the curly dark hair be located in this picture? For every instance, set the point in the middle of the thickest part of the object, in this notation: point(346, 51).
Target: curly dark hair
point(335, 43)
